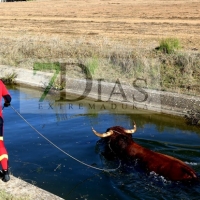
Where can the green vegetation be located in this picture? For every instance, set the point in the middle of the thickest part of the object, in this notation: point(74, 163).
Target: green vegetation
point(55, 83)
point(42, 66)
point(92, 64)
point(169, 45)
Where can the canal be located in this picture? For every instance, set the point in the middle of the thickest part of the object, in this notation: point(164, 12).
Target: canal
point(68, 126)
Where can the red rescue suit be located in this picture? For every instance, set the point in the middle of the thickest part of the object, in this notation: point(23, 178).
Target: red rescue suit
point(3, 152)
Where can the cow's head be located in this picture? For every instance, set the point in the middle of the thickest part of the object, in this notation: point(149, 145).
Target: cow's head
point(116, 130)
point(117, 141)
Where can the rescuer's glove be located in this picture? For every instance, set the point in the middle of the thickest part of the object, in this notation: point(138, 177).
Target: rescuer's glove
point(6, 104)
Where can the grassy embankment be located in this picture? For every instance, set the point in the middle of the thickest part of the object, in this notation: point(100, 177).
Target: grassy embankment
point(167, 68)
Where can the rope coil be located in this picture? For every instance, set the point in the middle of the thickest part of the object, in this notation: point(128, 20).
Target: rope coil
point(100, 169)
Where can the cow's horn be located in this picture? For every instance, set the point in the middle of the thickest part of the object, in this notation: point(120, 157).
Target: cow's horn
point(103, 135)
point(130, 131)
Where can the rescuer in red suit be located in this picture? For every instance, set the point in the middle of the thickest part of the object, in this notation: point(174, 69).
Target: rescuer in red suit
point(3, 152)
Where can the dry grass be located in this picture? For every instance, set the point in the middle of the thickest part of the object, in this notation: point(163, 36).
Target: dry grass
point(127, 20)
point(176, 72)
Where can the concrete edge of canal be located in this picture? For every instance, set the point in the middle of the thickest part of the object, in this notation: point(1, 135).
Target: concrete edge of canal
point(18, 188)
point(158, 101)
point(152, 100)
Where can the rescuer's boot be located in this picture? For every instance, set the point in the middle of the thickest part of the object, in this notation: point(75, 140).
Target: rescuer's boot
point(6, 176)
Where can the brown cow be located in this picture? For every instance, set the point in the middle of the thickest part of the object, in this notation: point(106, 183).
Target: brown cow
point(121, 143)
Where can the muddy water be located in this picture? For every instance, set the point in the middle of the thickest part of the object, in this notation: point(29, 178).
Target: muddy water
point(35, 160)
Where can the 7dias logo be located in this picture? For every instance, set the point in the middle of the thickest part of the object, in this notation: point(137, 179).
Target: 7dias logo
point(114, 92)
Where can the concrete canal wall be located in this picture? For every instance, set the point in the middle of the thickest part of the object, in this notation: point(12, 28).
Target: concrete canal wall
point(159, 101)
point(20, 189)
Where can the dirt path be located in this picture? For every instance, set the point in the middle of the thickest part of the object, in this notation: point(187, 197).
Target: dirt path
point(127, 20)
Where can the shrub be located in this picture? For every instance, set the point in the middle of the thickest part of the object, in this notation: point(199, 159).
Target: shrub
point(9, 78)
point(92, 64)
point(169, 45)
